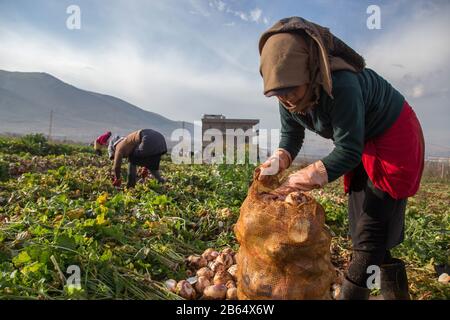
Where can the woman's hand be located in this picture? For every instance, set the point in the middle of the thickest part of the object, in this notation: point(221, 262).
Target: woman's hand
point(279, 161)
point(312, 177)
point(117, 182)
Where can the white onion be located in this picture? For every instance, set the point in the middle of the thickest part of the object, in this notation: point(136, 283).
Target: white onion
point(216, 266)
point(196, 262)
point(230, 284)
point(205, 272)
point(295, 198)
point(216, 292)
point(232, 294)
point(222, 277)
point(228, 250)
point(171, 284)
point(202, 284)
point(214, 255)
point(185, 290)
point(444, 278)
point(233, 270)
point(225, 259)
point(335, 291)
point(210, 254)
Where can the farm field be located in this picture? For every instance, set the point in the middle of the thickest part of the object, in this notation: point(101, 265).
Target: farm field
point(58, 209)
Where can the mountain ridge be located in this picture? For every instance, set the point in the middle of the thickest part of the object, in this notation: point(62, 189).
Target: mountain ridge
point(28, 98)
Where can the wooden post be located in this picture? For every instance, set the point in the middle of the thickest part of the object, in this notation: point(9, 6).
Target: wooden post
point(442, 170)
point(50, 126)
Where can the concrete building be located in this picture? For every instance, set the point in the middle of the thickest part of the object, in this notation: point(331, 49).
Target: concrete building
point(220, 122)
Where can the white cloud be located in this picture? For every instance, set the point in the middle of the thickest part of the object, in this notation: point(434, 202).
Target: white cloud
point(414, 55)
point(241, 15)
point(168, 84)
point(199, 8)
point(417, 91)
point(220, 5)
point(256, 14)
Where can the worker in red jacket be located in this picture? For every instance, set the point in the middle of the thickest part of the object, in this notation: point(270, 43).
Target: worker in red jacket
point(102, 142)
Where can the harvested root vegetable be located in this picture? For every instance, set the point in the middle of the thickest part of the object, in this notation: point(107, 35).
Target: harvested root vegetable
point(444, 278)
point(222, 277)
point(214, 255)
point(185, 290)
point(275, 258)
point(230, 284)
point(205, 272)
point(196, 262)
point(210, 254)
point(233, 270)
point(216, 266)
point(201, 284)
point(295, 198)
point(228, 250)
point(171, 285)
point(215, 292)
point(231, 294)
point(225, 259)
point(209, 276)
point(335, 291)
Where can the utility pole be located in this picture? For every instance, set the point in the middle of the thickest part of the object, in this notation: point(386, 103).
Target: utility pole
point(50, 125)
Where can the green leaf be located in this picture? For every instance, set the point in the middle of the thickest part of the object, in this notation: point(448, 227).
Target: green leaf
point(66, 242)
point(106, 256)
point(35, 267)
point(21, 259)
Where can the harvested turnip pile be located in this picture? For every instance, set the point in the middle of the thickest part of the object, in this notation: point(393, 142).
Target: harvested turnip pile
point(214, 277)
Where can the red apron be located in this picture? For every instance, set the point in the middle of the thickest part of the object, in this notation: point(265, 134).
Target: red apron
point(394, 161)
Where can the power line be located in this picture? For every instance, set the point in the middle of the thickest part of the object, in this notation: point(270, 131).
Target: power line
point(438, 145)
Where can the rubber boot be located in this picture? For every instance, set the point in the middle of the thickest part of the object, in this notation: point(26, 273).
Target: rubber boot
point(350, 291)
point(394, 281)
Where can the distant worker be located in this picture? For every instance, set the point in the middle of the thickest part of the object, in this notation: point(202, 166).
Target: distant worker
point(101, 142)
point(142, 148)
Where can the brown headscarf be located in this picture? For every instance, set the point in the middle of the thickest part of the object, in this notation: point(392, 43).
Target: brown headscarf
point(295, 51)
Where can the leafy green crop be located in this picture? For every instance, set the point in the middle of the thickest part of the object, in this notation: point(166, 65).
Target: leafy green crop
point(57, 212)
point(37, 144)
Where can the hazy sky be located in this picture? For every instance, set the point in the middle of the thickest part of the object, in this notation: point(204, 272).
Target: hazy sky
point(186, 58)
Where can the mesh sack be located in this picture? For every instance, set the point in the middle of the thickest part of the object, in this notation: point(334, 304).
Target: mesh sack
point(284, 247)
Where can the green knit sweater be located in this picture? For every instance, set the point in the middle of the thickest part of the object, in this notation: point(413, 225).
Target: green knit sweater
point(364, 105)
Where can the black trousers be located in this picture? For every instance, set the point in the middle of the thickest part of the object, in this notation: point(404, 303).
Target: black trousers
point(376, 225)
point(132, 175)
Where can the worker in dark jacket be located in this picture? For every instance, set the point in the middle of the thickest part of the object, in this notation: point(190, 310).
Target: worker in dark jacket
point(142, 148)
point(322, 85)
